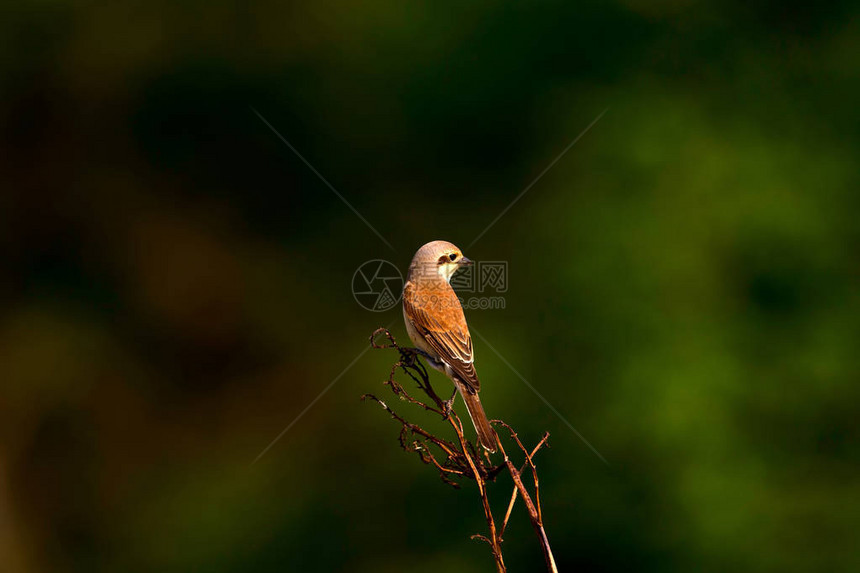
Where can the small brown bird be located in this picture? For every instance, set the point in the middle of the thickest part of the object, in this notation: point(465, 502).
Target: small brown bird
point(436, 324)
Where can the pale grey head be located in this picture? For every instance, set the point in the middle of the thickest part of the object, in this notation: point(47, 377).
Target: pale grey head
point(438, 259)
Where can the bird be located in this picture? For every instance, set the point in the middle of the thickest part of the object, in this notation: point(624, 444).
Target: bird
point(437, 326)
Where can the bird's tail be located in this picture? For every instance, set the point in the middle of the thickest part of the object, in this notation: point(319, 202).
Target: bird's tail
point(486, 435)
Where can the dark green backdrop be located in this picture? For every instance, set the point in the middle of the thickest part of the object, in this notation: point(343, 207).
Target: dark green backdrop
point(176, 282)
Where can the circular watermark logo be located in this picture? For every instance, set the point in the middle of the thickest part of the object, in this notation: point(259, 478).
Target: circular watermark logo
point(377, 285)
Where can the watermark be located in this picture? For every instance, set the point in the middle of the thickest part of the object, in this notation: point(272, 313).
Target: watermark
point(377, 285)
point(483, 303)
point(486, 276)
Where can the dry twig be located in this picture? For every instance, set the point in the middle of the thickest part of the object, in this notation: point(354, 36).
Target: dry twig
point(457, 460)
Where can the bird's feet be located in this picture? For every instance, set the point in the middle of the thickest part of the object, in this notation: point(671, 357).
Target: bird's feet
point(432, 361)
point(413, 353)
point(408, 356)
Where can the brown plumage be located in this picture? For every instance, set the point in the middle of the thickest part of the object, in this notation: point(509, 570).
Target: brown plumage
point(436, 324)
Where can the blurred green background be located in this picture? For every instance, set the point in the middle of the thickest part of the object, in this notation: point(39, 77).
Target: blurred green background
point(176, 283)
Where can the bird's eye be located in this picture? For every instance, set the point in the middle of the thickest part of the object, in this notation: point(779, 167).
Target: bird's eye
point(453, 256)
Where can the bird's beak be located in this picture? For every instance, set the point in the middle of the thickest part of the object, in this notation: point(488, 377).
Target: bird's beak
point(466, 262)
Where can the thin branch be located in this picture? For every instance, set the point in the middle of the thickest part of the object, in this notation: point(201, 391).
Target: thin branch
point(514, 492)
point(534, 514)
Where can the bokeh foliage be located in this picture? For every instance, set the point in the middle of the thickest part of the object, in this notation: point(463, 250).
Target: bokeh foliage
point(176, 282)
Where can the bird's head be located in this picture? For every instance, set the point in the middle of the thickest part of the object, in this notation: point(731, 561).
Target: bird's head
point(439, 258)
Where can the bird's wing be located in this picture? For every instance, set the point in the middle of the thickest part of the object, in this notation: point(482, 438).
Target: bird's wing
point(438, 316)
